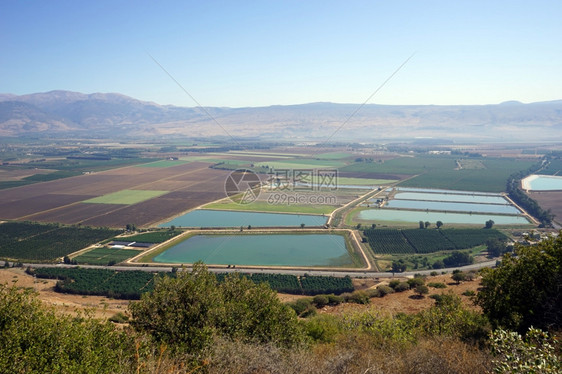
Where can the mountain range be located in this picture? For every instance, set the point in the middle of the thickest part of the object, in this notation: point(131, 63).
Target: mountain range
point(65, 113)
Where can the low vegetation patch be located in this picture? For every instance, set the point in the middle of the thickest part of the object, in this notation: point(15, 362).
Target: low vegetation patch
point(46, 242)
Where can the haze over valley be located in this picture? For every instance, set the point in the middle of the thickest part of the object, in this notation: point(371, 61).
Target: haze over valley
point(65, 113)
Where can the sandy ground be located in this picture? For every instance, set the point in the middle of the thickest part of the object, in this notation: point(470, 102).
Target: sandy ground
point(102, 307)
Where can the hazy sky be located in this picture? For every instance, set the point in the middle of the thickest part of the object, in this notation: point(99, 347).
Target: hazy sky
point(255, 53)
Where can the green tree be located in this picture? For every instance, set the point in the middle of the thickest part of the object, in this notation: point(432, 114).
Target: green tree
point(414, 282)
point(302, 225)
point(398, 266)
point(489, 224)
point(457, 258)
point(187, 311)
point(525, 290)
point(459, 277)
point(495, 247)
point(421, 290)
point(422, 225)
point(438, 224)
point(427, 224)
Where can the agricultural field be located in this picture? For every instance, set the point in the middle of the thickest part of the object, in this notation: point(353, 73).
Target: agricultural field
point(554, 167)
point(105, 256)
point(443, 172)
point(132, 284)
point(296, 164)
point(16, 174)
point(102, 282)
point(423, 241)
point(550, 200)
point(151, 237)
point(64, 200)
point(36, 242)
point(126, 197)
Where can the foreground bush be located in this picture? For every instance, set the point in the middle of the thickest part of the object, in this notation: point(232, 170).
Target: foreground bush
point(186, 312)
point(34, 339)
point(525, 290)
point(533, 354)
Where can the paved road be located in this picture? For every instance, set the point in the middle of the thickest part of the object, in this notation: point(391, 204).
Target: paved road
point(353, 274)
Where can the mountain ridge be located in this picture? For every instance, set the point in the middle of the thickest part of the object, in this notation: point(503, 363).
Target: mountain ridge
point(63, 113)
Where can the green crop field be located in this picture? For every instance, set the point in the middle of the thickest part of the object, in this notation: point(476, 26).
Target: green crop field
point(490, 175)
point(491, 178)
point(126, 197)
point(151, 237)
point(333, 155)
point(38, 242)
point(423, 241)
point(363, 181)
point(105, 256)
point(403, 165)
point(131, 284)
point(263, 206)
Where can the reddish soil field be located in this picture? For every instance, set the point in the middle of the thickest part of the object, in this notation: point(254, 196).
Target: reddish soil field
point(153, 210)
point(191, 185)
point(550, 200)
point(76, 213)
point(26, 206)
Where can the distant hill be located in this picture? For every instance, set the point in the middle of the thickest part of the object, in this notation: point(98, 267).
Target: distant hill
point(65, 113)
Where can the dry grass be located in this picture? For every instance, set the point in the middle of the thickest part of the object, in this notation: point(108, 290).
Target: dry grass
point(352, 355)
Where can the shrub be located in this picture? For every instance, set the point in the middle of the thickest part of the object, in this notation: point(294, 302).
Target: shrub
point(414, 282)
point(402, 286)
point(437, 285)
point(393, 283)
point(346, 296)
point(334, 299)
point(320, 301)
point(119, 317)
point(300, 305)
point(469, 293)
point(187, 311)
point(459, 277)
point(36, 339)
point(384, 290)
point(433, 273)
point(359, 297)
point(373, 292)
point(311, 311)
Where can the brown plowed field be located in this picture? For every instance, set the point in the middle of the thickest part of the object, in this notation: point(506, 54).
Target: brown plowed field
point(76, 213)
point(26, 206)
point(550, 200)
point(190, 185)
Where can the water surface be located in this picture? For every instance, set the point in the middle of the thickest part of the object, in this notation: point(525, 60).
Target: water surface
point(266, 250)
point(453, 218)
point(453, 206)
